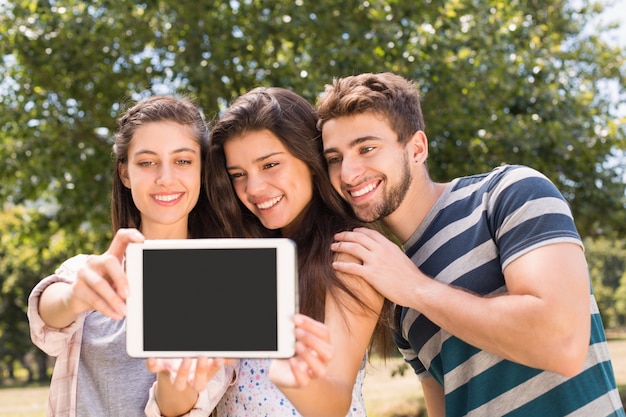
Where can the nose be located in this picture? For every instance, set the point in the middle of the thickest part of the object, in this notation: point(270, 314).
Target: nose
point(166, 175)
point(255, 184)
point(351, 170)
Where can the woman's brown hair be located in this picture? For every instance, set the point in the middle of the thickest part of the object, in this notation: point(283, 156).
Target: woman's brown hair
point(292, 120)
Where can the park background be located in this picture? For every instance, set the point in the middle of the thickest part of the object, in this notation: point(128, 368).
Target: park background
point(534, 82)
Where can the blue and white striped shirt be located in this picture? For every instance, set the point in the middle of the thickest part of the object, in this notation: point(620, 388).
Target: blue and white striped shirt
point(477, 227)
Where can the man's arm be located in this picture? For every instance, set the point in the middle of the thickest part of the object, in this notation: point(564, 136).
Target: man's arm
point(543, 321)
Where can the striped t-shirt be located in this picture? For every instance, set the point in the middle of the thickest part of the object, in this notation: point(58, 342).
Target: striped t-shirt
point(477, 227)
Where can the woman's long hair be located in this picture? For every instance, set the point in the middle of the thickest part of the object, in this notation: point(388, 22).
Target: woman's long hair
point(293, 120)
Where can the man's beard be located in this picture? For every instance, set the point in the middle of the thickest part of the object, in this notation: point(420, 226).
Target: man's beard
point(392, 198)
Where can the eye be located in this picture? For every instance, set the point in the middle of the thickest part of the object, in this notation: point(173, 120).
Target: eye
point(235, 175)
point(366, 149)
point(146, 163)
point(331, 160)
point(270, 165)
point(183, 162)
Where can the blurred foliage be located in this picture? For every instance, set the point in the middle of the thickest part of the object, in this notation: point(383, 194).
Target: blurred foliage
point(502, 81)
point(32, 246)
point(522, 81)
point(607, 267)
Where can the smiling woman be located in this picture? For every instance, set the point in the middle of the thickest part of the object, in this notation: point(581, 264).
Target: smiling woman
point(163, 177)
point(78, 314)
point(268, 178)
point(272, 183)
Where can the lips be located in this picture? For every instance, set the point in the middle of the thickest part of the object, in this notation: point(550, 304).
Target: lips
point(167, 198)
point(267, 204)
point(360, 191)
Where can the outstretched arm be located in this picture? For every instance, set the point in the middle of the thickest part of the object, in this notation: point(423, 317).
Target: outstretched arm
point(542, 321)
point(100, 285)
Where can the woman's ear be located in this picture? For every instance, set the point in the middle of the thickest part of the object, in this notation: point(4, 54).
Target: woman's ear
point(122, 170)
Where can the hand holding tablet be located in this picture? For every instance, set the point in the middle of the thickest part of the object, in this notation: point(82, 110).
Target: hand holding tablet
point(226, 298)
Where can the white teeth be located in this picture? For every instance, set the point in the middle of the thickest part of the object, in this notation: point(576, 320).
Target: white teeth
point(363, 191)
point(166, 198)
point(269, 203)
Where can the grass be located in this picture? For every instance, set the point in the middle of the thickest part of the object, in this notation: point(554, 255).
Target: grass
point(385, 396)
point(392, 396)
point(23, 401)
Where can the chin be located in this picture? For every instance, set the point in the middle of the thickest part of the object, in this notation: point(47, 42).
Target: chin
point(270, 226)
point(366, 217)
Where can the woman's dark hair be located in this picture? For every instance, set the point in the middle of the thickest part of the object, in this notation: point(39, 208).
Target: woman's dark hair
point(181, 110)
point(293, 121)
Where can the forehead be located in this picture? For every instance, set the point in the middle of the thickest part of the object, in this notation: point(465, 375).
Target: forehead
point(346, 131)
point(164, 135)
point(254, 138)
point(253, 144)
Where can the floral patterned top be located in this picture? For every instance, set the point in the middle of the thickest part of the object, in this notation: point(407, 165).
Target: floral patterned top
point(254, 395)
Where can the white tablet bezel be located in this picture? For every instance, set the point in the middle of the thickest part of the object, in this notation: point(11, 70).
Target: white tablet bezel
point(287, 296)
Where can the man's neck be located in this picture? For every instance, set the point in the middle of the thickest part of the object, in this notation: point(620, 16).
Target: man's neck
point(420, 198)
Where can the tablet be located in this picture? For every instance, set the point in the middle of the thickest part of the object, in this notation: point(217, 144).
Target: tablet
point(225, 298)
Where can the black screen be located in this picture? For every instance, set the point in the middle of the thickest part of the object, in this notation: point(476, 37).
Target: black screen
point(210, 299)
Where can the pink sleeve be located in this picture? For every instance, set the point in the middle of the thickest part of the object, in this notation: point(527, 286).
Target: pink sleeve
point(50, 340)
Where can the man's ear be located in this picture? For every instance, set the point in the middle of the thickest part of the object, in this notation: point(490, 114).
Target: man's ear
point(122, 170)
point(419, 146)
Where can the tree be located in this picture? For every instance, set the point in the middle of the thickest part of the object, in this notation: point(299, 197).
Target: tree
point(516, 82)
point(502, 81)
point(32, 247)
point(607, 269)
point(513, 82)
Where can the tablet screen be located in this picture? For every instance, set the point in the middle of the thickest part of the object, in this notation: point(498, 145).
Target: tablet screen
point(215, 297)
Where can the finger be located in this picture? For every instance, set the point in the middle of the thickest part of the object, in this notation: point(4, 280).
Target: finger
point(121, 240)
point(96, 292)
point(155, 365)
point(112, 270)
point(368, 238)
point(203, 373)
point(322, 349)
point(206, 368)
point(346, 236)
point(355, 249)
point(350, 268)
point(107, 296)
point(358, 235)
point(317, 367)
point(169, 365)
point(311, 325)
point(300, 372)
point(183, 374)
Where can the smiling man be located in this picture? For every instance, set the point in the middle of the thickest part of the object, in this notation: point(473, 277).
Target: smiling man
point(494, 309)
